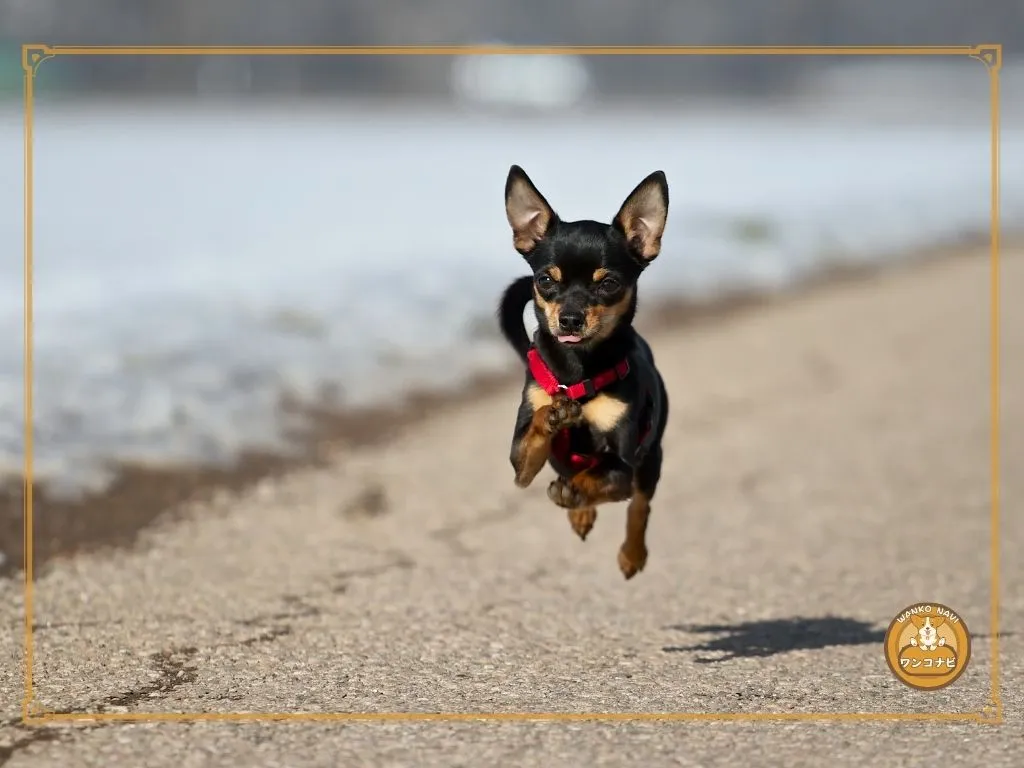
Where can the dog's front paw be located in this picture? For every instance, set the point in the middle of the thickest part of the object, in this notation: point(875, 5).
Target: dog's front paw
point(563, 413)
point(562, 492)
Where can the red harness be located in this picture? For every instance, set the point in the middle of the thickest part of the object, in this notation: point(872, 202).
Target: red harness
point(561, 448)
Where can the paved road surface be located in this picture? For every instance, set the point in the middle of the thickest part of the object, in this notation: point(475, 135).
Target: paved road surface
point(828, 464)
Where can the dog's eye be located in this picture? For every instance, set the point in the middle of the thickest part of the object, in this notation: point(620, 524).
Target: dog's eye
point(609, 285)
point(545, 281)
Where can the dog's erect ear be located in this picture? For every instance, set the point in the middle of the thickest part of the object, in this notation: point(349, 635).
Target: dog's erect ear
point(528, 212)
point(642, 217)
point(917, 621)
point(938, 621)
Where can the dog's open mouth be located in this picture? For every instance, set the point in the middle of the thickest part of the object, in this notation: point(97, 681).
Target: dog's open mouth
point(573, 339)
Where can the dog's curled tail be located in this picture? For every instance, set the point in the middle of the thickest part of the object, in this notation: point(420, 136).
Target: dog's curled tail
point(510, 314)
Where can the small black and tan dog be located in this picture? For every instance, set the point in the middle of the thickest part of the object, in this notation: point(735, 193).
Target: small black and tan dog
point(594, 405)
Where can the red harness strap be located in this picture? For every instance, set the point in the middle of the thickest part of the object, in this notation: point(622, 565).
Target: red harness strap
point(547, 381)
point(561, 442)
point(561, 449)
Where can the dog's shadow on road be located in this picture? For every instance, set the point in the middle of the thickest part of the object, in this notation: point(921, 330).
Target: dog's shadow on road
point(769, 637)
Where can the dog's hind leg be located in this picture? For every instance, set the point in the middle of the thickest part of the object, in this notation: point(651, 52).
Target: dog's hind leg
point(611, 482)
point(582, 520)
point(633, 552)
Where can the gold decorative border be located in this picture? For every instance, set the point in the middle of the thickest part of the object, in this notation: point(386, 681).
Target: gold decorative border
point(33, 55)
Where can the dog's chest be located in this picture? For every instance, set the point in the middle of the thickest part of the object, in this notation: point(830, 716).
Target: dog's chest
point(604, 412)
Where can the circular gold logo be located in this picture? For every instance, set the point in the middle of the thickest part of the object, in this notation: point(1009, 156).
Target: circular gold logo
point(927, 646)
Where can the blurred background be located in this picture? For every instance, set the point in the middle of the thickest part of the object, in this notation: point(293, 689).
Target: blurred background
point(218, 236)
point(403, 22)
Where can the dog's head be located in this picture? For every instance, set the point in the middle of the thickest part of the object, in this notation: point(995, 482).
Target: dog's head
point(926, 628)
point(585, 272)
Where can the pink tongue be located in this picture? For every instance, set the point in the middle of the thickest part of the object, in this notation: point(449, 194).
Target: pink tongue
point(569, 339)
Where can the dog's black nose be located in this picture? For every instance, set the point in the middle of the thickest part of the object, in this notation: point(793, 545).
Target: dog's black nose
point(570, 322)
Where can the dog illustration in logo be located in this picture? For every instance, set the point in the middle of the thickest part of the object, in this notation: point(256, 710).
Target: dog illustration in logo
point(927, 653)
point(927, 633)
